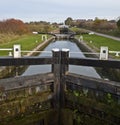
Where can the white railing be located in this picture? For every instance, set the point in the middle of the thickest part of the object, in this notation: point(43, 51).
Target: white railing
point(103, 54)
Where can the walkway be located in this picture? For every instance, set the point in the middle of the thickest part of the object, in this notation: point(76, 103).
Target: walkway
point(105, 35)
point(108, 36)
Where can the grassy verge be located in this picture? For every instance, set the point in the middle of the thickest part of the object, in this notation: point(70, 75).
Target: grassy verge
point(27, 42)
point(99, 41)
point(95, 42)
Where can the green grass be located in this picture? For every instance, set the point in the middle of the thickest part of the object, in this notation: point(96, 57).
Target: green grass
point(98, 41)
point(27, 42)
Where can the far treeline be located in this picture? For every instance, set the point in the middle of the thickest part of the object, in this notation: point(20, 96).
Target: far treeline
point(111, 27)
point(18, 27)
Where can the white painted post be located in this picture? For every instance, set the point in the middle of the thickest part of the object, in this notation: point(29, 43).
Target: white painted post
point(90, 41)
point(10, 54)
point(117, 54)
point(104, 53)
point(44, 37)
point(17, 51)
point(81, 38)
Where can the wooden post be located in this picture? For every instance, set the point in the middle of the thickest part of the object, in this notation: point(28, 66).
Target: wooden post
point(59, 69)
point(56, 72)
point(64, 70)
point(65, 61)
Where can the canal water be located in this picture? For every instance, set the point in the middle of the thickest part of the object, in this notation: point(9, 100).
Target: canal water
point(75, 51)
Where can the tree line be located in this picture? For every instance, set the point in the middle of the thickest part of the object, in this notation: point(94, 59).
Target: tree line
point(100, 25)
point(15, 26)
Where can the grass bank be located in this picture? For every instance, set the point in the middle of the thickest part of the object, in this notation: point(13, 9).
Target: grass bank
point(98, 41)
point(95, 42)
point(27, 42)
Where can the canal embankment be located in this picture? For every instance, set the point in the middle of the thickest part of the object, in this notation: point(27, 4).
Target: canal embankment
point(85, 48)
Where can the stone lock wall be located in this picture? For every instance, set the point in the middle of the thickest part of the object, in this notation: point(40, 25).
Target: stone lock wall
point(25, 98)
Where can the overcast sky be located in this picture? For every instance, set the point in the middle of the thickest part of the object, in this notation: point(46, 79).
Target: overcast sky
point(58, 10)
